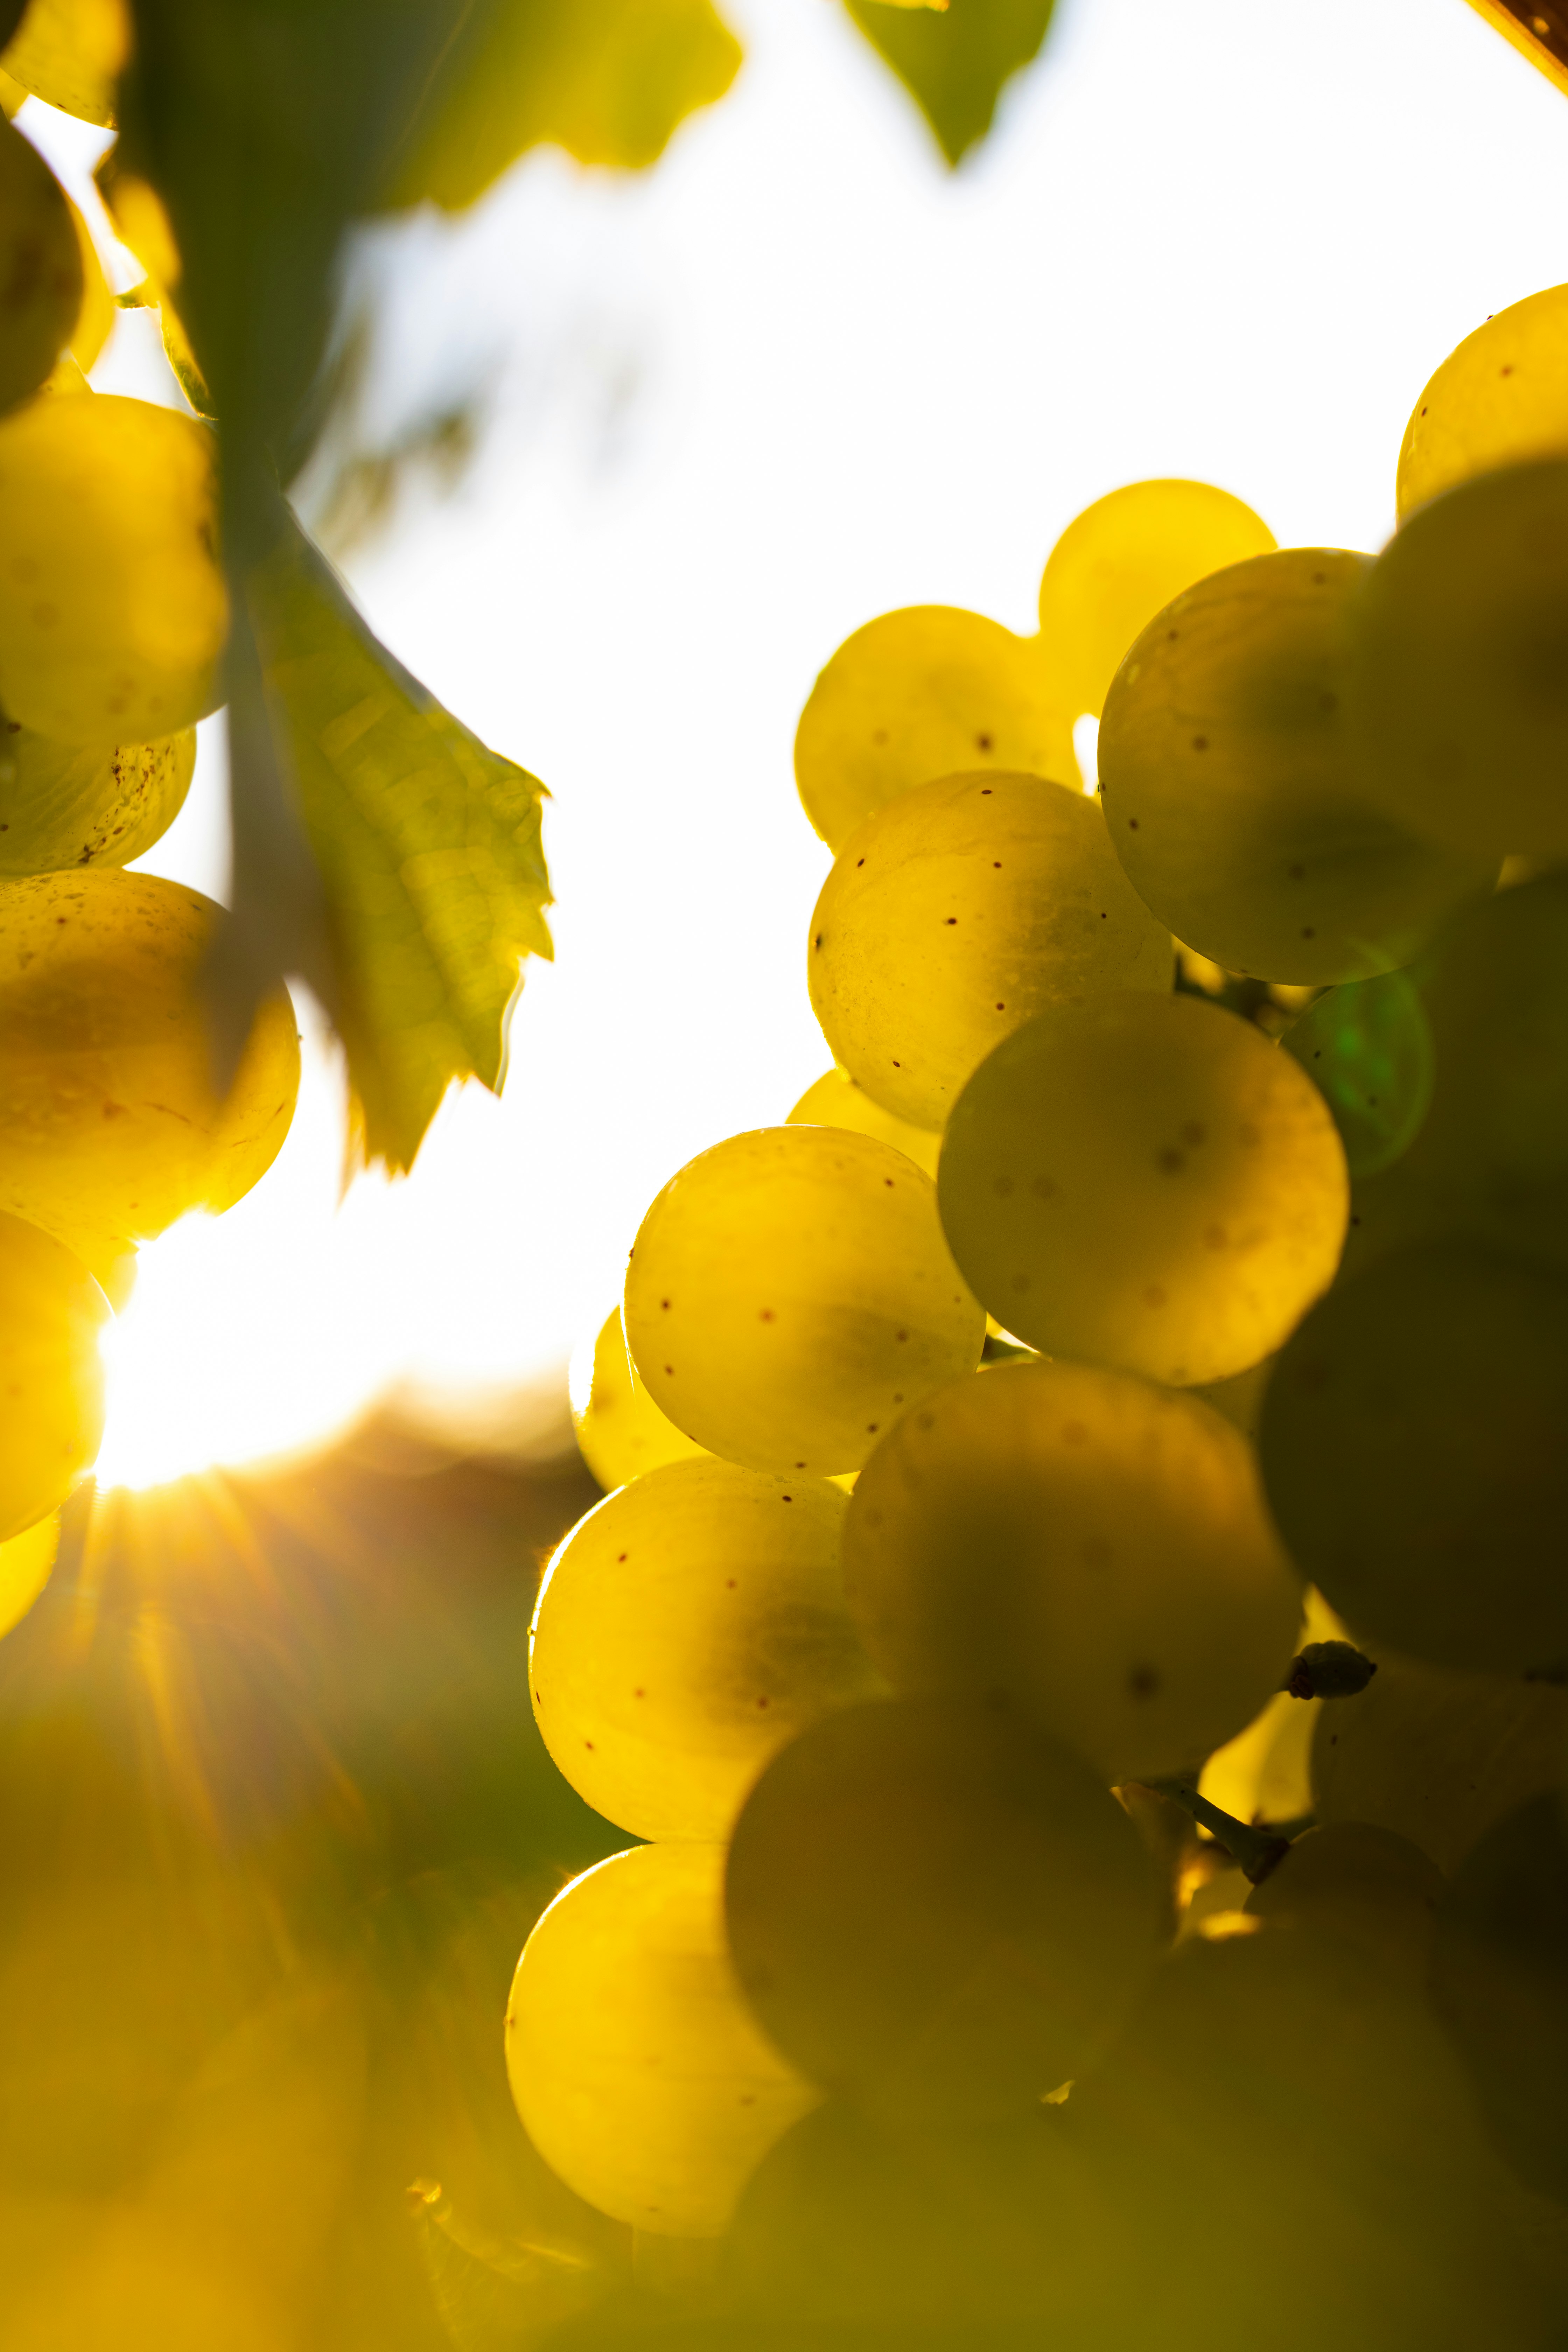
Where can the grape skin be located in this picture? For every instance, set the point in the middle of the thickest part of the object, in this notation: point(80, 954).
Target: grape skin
point(634, 2061)
point(25, 1560)
point(51, 1315)
point(1093, 1551)
point(789, 1291)
point(836, 1099)
point(686, 1629)
point(1500, 398)
point(620, 1431)
point(1144, 1182)
point(919, 693)
point(1232, 794)
point(952, 914)
point(40, 267)
point(65, 807)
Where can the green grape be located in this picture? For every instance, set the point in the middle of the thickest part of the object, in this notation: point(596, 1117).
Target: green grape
point(849, 2218)
point(1455, 693)
point(837, 1099)
point(1412, 1447)
point(64, 807)
point(1437, 1755)
point(634, 2063)
point(24, 1564)
point(1089, 1550)
point(40, 268)
point(1144, 1181)
point(1500, 399)
point(70, 53)
point(936, 1908)
point(1121, 560)
point(790, 1291)
point(1232, 794)
point(1368, 1885)
point(112, 607)
point(921, 693)
point(1367, 1047)
point(109, 1124)
point(955, 912)
point(620, 1431)
point(51, 1314)
point(687, 1628)
point(1284, 2088)
point(1500, 1980)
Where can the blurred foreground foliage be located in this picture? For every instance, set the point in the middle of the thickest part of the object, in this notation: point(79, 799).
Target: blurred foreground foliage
point(277, 1821)
point(381, 853)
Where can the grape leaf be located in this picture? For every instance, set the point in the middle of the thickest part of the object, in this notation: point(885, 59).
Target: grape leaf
point(954, 64)
point(426, 843)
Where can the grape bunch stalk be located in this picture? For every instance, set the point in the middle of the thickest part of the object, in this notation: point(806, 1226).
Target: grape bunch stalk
point(113, 618)
point(1079, 1620)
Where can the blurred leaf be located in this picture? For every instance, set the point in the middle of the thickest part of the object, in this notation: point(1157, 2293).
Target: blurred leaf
point(954, 64)
point(427, 843)
point(496, 2294)
point(607, 79)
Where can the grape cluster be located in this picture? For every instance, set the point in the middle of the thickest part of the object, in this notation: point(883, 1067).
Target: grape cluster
point(113, 617)
point(1106, 1875)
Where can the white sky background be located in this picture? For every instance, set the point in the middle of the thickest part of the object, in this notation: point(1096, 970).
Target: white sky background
point(796, 376)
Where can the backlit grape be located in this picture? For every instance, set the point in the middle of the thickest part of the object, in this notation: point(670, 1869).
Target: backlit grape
point(24, 1564)
point(40, 268)
point(620, 1431)
point(836, 1099)
point(1500, 399)
point(65, 807)
point(51, 1315)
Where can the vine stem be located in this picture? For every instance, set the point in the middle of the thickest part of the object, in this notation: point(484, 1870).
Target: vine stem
point(1254, 1850)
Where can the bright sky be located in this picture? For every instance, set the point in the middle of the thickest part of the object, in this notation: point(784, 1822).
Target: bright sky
point(798, 376)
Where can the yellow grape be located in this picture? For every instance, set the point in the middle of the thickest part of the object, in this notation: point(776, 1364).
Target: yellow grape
point(95, 320)
point(51, 1313)
point(1089, 1549)
point(1147, 1183)
point(1499, 399)
point(837, 1099)
point(1232, 793)
point(40, 268)
point(1121, 562)
point(70, 53)
point(1368, 1885)
point(109, 1125)
point(65, 807)
point(686, 1629)
point(919, 693)
point(620, 1431)
point(938, 1910)
point(1454, 687)
point(790, 1291)
point(114, 612)
point(634, 2063)
point(24, 1564)
point(956, 911)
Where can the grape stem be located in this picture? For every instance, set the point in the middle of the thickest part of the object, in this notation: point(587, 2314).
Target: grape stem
point(1255, 1851)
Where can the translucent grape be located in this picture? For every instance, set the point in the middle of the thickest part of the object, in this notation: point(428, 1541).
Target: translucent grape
point(1454, 688)
point(64, 807)
point(620, 1431)
point(1092, 1551)
point(94, 321)
point(1412, 1447)
point(24, 1564)
point(634, 2063)
point(919, 693)
point(956, 911)
point(1367, 1047)
point(1500, 399)
point(109, 1125)
point(836, 1099)
point(1232, 793)
point(1144, 1181)
point(70, 53)
point(687, 1628)
point(112, 608)
point(1368, 1885)
point(1500, 1980)
point(40, 268)
point(935, 1907)
point(51, 1314)
point(790, 1291)
point(1437, 1755)
point(1121, 562)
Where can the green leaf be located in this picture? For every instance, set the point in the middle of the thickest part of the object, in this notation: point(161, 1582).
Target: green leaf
point(955, 64)
point(607, 79)
point(427, 846)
